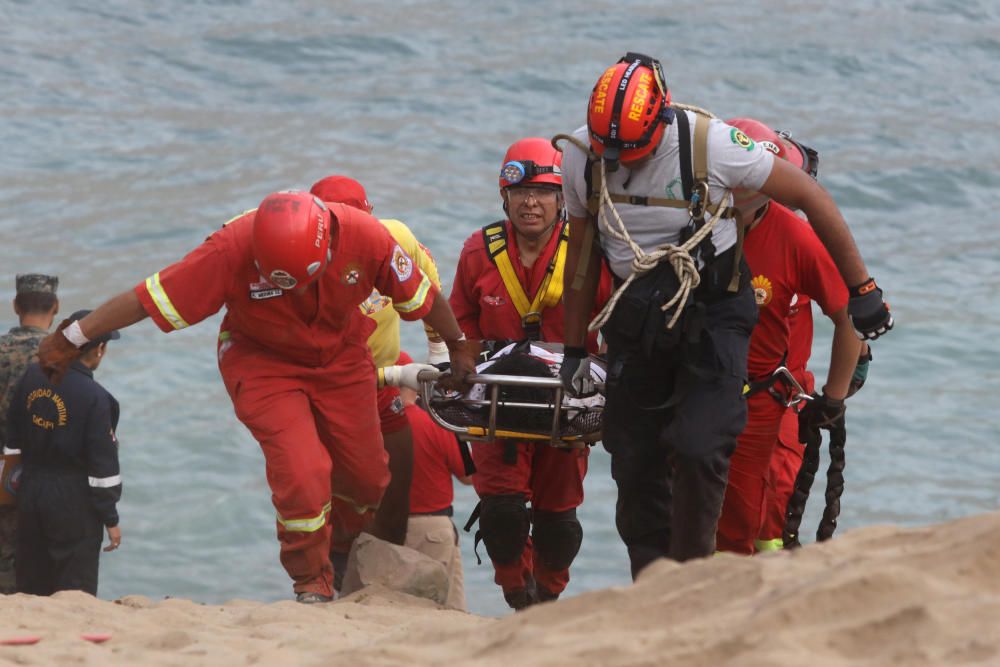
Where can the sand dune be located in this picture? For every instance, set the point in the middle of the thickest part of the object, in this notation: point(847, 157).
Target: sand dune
point(876, 596)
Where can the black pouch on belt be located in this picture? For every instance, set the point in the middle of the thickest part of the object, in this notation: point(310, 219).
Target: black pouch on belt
point(638, 317)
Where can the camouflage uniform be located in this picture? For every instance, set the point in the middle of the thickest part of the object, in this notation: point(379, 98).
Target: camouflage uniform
point(17, 350)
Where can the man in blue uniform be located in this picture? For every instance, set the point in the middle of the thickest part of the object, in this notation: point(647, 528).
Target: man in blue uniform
point(70, 483)
point(36, 306)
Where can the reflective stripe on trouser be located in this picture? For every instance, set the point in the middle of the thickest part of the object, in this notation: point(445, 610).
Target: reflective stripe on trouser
point(785, 463)
point(318, 430)
point(749, 468)
point(671, 463)
point(551, 478)
point(436, 538)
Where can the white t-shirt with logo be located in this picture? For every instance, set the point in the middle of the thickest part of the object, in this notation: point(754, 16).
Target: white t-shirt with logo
point(733, 162)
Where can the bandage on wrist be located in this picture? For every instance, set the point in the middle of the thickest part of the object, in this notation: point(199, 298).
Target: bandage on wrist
point(74, 334)
point(437, 351)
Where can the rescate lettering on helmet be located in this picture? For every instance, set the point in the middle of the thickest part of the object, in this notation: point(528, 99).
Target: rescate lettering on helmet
point(641, 96)
point(602, 90)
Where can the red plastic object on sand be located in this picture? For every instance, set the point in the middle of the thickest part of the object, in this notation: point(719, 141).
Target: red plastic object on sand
point(20, 641)
point(96, 637)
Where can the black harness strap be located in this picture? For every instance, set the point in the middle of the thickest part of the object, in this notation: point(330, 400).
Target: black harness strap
point(473, 518)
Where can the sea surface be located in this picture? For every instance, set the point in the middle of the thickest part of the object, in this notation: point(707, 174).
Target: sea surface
point(131, 130)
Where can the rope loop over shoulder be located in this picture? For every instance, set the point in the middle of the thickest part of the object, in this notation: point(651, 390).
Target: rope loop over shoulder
point(679, 256)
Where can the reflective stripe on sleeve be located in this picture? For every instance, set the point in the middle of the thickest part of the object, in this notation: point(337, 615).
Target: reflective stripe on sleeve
point(308, 525)
point(163, 303)
point(418, 299)
point(104, 482)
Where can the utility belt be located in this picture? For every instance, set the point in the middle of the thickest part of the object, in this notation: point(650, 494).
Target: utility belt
point(639, 319)
point(447, 511)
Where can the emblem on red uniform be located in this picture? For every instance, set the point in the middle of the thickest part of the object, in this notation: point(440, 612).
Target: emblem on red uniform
point(352, 275)
point(762, 290)
point(402, 265)
point(494, 300)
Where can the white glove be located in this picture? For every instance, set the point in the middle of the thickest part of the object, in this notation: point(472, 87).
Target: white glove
point(405, 376)
point(437, 352)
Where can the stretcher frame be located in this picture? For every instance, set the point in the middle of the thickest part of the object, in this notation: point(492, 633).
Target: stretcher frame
point(490, 432)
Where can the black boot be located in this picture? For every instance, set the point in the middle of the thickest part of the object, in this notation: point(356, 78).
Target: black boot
point(522, 598)
point(544, 595)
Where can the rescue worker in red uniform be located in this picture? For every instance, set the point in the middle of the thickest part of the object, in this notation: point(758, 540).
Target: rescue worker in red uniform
point(438, 458)
point(508, 286)
point(390, 521)
point(786, 258)
point(293, 355)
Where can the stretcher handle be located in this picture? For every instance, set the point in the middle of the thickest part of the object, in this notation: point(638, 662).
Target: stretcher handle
point(509, 380)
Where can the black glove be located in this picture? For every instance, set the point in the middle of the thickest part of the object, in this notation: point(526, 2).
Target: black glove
point(575, 372)
point(821, 412)
point(860, 374)
point(868, 312)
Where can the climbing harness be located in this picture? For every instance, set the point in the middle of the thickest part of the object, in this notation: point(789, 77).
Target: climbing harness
point(549, 292)
point(790, 392)
point(682, 257)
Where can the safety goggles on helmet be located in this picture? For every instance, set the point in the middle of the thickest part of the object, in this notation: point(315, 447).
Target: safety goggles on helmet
point(810, 158)
point(515, 171)
point(613, 143)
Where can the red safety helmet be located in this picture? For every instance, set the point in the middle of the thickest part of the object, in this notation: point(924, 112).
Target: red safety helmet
point(291, 238)
point(779, 143)
point(343, 190)
point(531, 161)
point(629, 109)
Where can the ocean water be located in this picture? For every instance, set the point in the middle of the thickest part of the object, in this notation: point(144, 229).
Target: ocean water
point(131, 130)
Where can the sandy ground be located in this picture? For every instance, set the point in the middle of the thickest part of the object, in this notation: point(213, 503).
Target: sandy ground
point(876, 596)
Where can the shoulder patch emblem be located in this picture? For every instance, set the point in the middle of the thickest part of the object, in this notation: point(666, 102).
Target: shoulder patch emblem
point(402, 265)
point(762, 290)
point(740, 139)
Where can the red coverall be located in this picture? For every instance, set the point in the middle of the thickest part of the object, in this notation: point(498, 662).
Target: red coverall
point(787, 456)
point(786, 258)
point(299, 371)
point(550, 478)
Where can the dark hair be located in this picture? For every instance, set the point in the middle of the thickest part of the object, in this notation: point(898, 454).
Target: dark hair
point(35, 303)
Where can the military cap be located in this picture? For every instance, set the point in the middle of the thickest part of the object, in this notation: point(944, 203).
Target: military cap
point(36, 282)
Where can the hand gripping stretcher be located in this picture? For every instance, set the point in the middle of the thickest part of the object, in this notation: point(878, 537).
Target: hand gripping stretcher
point(491, 408)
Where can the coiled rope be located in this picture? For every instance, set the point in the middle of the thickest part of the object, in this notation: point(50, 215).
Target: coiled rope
point(679, 256)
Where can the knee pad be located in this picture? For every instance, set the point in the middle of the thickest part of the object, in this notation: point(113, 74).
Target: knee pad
point(504, 522)
point(557, 538)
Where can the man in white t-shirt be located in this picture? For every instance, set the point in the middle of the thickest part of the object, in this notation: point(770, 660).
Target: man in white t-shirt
point(656, 175)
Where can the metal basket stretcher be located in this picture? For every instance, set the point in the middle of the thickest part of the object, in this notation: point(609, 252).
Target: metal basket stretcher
point(476, 418)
